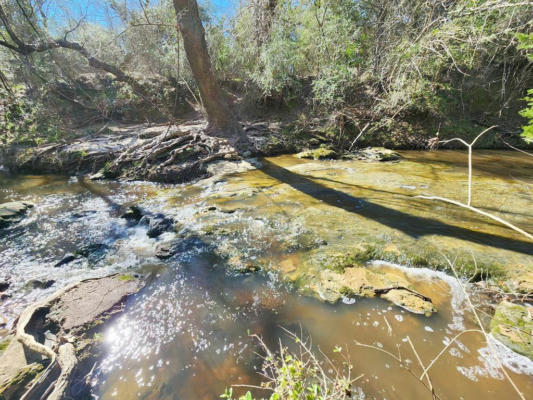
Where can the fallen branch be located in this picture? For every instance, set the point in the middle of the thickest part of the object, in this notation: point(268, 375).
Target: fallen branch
point(358, 136)
point(515, 148)
point(477, 210)
point(382, 291)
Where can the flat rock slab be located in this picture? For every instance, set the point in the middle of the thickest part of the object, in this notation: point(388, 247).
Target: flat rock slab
point(85, 302)
point(331, 286)
point(12, 211)
point(72, 311)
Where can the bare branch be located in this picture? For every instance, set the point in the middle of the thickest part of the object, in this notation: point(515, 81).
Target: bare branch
point(477, 210)
point(26, 49)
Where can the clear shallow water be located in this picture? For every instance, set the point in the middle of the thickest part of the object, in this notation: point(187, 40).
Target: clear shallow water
point(186, 335)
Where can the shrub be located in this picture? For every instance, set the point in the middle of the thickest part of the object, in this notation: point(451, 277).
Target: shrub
point(299, 374)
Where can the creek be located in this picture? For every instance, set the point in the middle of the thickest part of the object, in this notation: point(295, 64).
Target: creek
point(186, 335)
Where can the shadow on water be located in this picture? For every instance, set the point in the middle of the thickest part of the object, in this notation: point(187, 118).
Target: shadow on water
point(94, 190)
point(411, 225)
point(502, 164)
point(392, 193)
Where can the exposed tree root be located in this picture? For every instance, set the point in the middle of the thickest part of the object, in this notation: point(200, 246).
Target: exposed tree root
point(168, 154)
point(174, 156)
point(58, 376)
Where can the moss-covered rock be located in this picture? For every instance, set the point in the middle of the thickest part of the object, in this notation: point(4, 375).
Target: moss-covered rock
point(331, 284)
point(275, 144)
point(374, 154)
point(339, 261)
point(16, 386)
point(416, 256)
point(512, 325)
point(322, 153)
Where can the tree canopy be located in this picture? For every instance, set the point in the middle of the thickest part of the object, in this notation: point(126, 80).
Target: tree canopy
point(440, 66)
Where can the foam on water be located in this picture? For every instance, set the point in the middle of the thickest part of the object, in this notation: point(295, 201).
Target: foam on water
point(491, 358)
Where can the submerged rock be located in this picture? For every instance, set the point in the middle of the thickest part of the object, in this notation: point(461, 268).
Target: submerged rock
point(175, 246)
point(133, 213)
point(512, 325)
point(40, 284)
point(65, 260)
point(157, 224)
point(13, 212)
point(4, 285)
point(94, 252)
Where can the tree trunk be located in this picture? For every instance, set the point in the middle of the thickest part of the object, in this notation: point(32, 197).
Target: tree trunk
point(221, 119)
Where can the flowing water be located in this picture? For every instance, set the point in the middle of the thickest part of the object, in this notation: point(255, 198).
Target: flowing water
point(187, 334)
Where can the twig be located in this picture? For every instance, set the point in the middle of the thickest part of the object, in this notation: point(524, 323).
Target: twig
point(358, 136)
point(469, 146)
point(421, 364)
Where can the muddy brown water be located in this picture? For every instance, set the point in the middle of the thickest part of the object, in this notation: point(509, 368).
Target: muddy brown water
point(186, 335)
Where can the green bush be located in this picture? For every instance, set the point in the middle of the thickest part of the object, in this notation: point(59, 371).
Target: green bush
point(526, 43)
point(299, 374)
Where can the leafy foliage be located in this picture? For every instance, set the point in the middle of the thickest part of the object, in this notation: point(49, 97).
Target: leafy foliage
point(299, 374)
point(25, 121)
point(526, 43)
point(390, 62)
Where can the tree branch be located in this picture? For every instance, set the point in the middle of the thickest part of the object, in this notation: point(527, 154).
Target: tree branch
point(26, 49)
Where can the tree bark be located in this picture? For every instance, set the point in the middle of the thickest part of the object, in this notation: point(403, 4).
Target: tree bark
point(221, 119)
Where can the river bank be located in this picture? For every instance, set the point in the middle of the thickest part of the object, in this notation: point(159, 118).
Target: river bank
point(181, 153)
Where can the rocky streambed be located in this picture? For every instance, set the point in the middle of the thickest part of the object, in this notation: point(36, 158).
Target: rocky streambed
point(341, 249)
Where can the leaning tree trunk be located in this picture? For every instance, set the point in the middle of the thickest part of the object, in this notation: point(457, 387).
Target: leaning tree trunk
point(221, 119)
